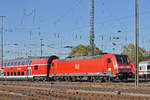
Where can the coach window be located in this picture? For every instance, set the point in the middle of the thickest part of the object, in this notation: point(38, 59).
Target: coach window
point(15, 63)
point(22, 73)
point(22, 62)
point(36, 67)
point(14, 73)
point(18, 73)
point(11, 63)
point(26, 62)
point(11, 73)
point(18, 63)
point(30, 62)
point(7, 73)
point(8, 64)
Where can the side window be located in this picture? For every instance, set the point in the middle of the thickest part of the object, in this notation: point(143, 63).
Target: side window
point(11, 73)
point(7, 73)
point(36, 67)
point(108, 60)
point(148, 67)
point(18, 73)
point(14, 73)
point(22, 73)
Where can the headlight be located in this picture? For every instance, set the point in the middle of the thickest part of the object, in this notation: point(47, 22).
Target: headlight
point(124, 67)
point(120, 66)
point(128, 67)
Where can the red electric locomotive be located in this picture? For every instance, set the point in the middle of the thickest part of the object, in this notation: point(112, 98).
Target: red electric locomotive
point(102, 67)
point(93, 68)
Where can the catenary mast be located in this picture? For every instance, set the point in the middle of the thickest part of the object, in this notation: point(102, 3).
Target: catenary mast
point(2, 40)
point(136, 42)
point(92, 28)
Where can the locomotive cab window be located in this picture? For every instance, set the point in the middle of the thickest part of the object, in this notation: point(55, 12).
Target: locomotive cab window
point(36, 67)
point(122, 58)
point(109, 60)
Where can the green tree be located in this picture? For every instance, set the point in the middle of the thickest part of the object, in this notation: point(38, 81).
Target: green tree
point(19, 58)
point(130, 51)
point(82, 50)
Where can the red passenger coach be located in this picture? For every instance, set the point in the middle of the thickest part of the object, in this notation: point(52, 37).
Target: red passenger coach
point(25, 69)
point(102, 67)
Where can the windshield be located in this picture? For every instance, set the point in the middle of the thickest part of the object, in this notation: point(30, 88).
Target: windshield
point(122, 58)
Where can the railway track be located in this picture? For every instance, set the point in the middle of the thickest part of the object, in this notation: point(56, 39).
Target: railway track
point(72, 91)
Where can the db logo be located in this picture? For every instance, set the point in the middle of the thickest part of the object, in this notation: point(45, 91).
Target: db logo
point(18, 68)
point(77, 66)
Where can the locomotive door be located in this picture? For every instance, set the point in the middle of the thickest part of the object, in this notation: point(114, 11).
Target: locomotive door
point(29, 71)
point(109, 65)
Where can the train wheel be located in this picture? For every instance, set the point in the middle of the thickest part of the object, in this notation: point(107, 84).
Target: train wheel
point(89, 79)
point(73, 79)
point(54, 79)
point(66, 78)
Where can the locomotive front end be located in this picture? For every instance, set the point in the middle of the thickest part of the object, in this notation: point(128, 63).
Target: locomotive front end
point(123, 67)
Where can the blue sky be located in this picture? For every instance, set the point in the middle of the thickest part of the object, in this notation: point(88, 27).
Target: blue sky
point(66, 23)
